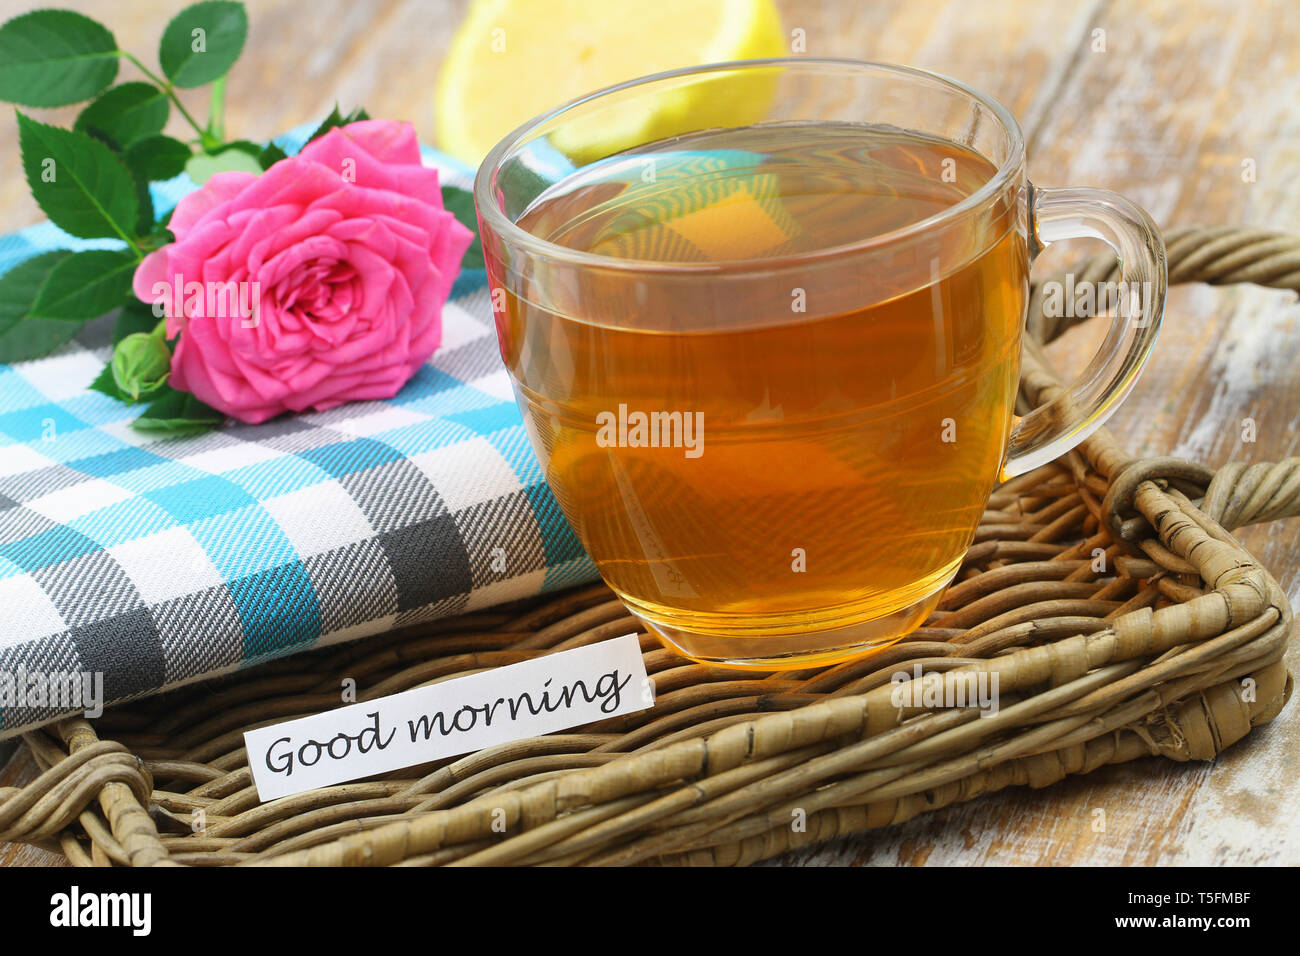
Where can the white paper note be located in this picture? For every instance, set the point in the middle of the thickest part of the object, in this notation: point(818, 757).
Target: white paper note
point(454, 717)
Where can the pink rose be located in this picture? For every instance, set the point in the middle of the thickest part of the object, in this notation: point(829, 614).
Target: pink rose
point(346, 256)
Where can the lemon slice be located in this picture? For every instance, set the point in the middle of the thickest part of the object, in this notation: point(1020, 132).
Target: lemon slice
point(514, 59)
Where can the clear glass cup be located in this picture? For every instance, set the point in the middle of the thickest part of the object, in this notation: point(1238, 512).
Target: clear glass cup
point(842, 454)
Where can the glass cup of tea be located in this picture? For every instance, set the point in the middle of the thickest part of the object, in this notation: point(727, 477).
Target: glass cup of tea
point(763, 320)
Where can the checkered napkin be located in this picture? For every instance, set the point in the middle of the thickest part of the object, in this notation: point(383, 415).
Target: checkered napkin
point(158, 562)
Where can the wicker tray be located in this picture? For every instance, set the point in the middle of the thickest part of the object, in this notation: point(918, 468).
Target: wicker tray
point(1147, 655)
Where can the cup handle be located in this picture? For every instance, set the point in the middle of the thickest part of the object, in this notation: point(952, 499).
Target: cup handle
point(1139, 302)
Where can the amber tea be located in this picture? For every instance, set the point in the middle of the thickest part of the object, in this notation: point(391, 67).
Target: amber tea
point(769, 368)
point(751, 465)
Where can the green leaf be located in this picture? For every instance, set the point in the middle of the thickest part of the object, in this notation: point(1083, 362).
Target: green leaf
point(156, 158)
point(136, 316)
point(55, 57)
point(202, 167)
point(126, 113)
point(271, 155)
point(460, 203)
point(85, 285)
point(21, 284)
point(35, 338)
point(104, 383)
point(159, 236)
point(202, 42)
point(143, 199)
point(78, 181)
point(23, 338)
point(336, 119)
point(178, 413)
point(243, 145)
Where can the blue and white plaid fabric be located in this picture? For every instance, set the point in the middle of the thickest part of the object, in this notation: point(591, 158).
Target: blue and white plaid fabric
point(158, 562)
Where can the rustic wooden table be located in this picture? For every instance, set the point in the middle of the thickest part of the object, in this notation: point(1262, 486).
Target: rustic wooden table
point(1192, 109)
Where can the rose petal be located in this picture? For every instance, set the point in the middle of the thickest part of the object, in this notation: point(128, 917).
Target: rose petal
point(388, 141)
point(349, 263)
point(219, 189)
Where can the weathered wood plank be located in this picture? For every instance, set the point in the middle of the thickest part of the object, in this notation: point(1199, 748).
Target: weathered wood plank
point(1018, 52)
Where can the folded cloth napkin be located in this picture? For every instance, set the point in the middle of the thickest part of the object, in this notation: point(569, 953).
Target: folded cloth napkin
point(158, 562)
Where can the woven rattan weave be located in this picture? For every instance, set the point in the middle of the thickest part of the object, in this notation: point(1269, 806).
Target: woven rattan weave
point(1169, 646)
